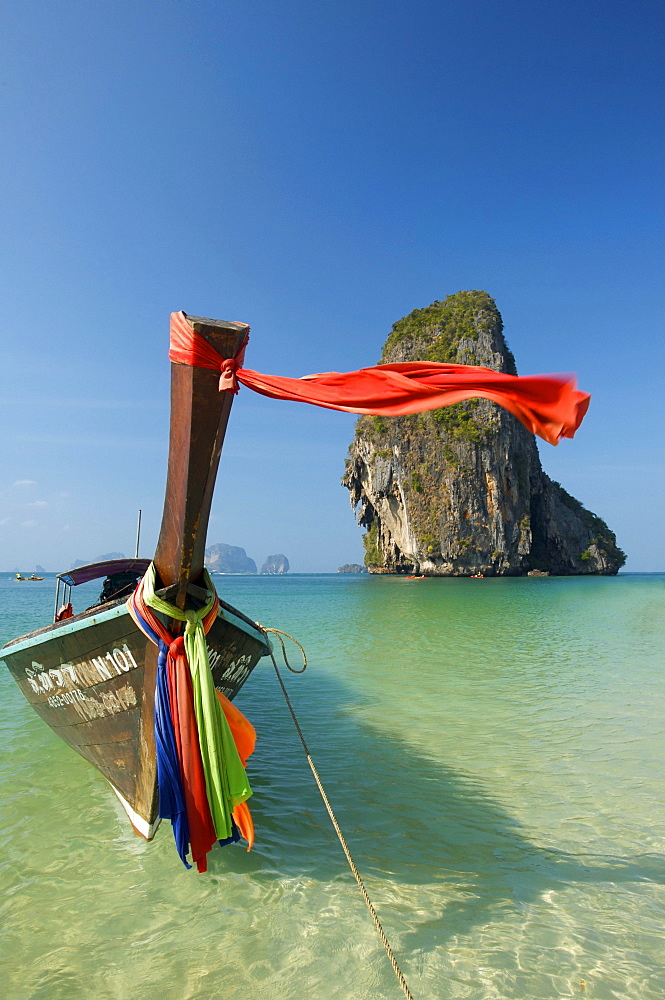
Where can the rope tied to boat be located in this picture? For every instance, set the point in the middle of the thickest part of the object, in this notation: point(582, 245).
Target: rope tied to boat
point(322, 792)
point(279, 633)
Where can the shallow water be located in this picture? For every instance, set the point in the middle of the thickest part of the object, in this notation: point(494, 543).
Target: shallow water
point(492, 749)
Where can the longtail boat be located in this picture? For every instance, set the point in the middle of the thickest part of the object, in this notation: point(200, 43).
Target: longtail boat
point(109, 680)
point(91, 676)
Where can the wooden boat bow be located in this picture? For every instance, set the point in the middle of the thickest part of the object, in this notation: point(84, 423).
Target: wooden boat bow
point(199, 415)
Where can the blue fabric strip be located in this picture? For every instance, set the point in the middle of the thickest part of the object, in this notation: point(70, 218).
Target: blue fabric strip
point(233, 839)
point(169, 783)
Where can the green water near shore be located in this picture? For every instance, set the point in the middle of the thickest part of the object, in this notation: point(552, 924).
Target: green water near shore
point(493, 750)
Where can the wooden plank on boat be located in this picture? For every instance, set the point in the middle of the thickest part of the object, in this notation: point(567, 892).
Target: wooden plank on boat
point(199, 415)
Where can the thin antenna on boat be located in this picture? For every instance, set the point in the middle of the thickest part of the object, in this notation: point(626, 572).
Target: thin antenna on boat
point(138, 534)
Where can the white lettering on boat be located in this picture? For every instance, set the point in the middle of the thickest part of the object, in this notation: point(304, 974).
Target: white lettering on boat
point(232, 676)
point(214, 656)
point(101, 668)
point(121, 660)
point(109, 703)
point(66, 698)
point(90, 707)
point(84, 673)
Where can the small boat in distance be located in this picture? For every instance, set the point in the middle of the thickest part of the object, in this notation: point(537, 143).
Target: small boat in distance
point(27, 578)
point(91, 673)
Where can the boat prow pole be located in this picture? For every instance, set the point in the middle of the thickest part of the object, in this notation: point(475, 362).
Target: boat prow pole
point(199, 415)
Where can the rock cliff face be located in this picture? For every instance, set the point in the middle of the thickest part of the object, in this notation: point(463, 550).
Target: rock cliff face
point(222, 558)
point(276, 565)
point(461, 490)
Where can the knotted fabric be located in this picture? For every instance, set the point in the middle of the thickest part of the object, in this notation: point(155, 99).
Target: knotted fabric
point(190, 348)
point(548, 405)
point(200, 775)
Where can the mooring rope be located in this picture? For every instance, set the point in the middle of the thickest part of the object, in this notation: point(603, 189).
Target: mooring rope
point(340, 836)
point(278, 632)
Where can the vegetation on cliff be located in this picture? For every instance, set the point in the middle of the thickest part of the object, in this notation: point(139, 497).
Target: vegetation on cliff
point(442, 331)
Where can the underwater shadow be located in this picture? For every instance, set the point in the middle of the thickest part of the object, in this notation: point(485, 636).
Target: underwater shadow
point(432, 825)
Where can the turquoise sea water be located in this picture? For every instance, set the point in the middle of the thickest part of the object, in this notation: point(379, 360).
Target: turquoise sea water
point(493, 750)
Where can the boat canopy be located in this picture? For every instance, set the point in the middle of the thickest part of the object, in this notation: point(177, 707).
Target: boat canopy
point(95, 571)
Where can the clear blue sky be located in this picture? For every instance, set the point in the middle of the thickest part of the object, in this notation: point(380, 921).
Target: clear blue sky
point(317, 170)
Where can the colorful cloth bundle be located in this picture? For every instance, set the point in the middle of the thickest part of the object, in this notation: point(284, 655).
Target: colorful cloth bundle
point(201, 776)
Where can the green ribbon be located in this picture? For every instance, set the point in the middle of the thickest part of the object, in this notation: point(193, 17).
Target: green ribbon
point(226, 781)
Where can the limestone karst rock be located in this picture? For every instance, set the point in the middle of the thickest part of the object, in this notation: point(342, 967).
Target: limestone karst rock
point(461, 490)
point(276, 565)
point(222, 558)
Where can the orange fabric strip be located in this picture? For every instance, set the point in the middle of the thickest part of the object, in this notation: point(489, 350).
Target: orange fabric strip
point(244, 737)
point(190, 348)
point(550, 406)
point(242, 730)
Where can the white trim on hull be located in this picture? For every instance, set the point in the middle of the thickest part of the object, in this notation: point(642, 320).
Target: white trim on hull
point(142, 827)
point(67, 627)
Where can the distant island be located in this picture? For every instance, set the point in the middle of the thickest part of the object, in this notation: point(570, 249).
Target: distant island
point(277, 565)
point(105, 557)
point(352, 568)
point(219, 558)
point(223, 558)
